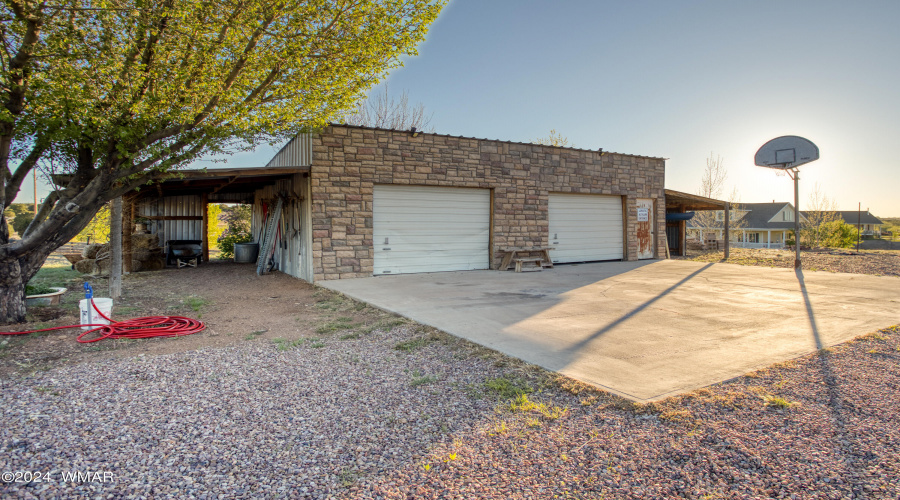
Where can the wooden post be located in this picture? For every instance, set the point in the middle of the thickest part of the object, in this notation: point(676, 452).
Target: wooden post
point(127, 231)
point(204, 204)
point(727, 229)
point(115, 249)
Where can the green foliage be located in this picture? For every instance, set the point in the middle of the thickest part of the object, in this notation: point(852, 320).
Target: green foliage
point(778, 402)
point(508, 388)
point(39, 289)
point(227, 240)
point(215, 230)
point(418, 379)
point(237, 230)
point(21, 221)
point(52, 276)
point(412, 344)
point(97, 230)
point(838, 234)
point(195, 302)
point(120, 94)
point(342, 323)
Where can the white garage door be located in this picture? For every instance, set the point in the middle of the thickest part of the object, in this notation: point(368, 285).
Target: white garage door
point(429, 229)
point(585, 227)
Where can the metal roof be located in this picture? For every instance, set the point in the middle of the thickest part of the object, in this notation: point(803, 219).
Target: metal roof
point(421, 133)
point(676, 200)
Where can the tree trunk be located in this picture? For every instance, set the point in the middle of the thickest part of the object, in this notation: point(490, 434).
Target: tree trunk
point(12, 292)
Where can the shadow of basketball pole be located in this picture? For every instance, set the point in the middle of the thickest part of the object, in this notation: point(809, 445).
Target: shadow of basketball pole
point(625, 317)
point(835, 401)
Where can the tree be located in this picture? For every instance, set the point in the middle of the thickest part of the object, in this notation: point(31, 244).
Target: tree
point(116, 94)
point(818, 229)
point(214, 212)
point(554, 139)
point(237, 219)
point(712, 185)
point(838, 234)
point(97, 230)
point(383, 111)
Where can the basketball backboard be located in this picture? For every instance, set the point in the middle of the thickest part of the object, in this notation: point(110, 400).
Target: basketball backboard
point(789, 151)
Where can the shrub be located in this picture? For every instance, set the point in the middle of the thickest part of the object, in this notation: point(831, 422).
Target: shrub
point(228, 239)
point(238, 231)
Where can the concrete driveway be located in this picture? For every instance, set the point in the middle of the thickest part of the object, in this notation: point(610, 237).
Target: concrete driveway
point(644, 330)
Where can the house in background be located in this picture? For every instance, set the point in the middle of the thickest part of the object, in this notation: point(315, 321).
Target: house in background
point(865, 222)
point(756, 225)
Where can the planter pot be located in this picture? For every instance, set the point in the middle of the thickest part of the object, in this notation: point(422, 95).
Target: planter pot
point(45, 299)
point(246, 252)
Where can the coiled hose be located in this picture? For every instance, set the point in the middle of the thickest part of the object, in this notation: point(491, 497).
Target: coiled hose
point(135, 328)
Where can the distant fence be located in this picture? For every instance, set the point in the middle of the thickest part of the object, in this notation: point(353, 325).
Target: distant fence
point(72, 247)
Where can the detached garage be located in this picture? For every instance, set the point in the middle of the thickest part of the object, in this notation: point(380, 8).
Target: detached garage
point(385, 202)
point(420, 229)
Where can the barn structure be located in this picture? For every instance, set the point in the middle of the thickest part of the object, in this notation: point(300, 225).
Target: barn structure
point(359, 201)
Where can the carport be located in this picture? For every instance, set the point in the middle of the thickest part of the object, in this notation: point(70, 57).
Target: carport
point(678, 211)
point(175, 209)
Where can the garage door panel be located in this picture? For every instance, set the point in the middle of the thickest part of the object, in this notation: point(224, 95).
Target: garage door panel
point(428, 229)
point(585, 227)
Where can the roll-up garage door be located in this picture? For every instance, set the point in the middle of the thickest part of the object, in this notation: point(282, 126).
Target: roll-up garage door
point(428, 229)
point(585, 227)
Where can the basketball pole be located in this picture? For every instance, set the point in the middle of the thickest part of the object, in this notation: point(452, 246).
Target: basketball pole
point(795, 174)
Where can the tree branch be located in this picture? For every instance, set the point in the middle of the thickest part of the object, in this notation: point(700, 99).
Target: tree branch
point(15, 180)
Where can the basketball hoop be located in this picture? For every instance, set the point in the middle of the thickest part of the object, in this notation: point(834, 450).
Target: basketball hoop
point(785, 154)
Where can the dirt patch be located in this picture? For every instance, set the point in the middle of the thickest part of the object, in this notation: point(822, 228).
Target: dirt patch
point(875, 262)
point(235, 304)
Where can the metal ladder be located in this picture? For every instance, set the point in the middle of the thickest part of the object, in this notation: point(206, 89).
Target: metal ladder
point(268, 243)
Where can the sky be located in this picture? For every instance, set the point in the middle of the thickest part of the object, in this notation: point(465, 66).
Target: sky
point(681, 80)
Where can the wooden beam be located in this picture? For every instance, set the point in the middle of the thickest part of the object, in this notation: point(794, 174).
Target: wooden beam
point(115, 249)
point(216, 190)
point(204, 232)
point(127, 231)
point(727, 229)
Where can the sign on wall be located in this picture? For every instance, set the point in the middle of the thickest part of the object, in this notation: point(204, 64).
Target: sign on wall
point(643, 214)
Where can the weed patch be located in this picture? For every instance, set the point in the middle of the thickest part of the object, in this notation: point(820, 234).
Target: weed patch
point(522, 404)
point(412, 344)
point(418, 379)
point(337, 325)
point(195, 302)
point(508, 388)
point(253, 335)
point(778, 402)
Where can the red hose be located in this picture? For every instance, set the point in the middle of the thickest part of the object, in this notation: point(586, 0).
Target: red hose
point(135, 328)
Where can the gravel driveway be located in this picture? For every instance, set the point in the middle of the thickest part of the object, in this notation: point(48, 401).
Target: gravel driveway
point(412, 414)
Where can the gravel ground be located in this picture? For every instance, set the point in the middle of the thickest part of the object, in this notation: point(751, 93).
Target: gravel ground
point(360, 418)
point(877, 262)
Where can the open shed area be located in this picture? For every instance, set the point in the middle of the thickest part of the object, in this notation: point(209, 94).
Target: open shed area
point(680, 208)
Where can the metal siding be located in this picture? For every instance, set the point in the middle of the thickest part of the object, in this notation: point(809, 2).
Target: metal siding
point(287, 259)
point(585, 227)
point(296, 153)
point(429, 229)
point(171, 206)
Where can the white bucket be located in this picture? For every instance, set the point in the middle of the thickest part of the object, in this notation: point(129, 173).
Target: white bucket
point(105, 306)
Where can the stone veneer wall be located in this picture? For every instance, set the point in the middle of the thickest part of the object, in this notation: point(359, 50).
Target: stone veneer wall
point(348, 161)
